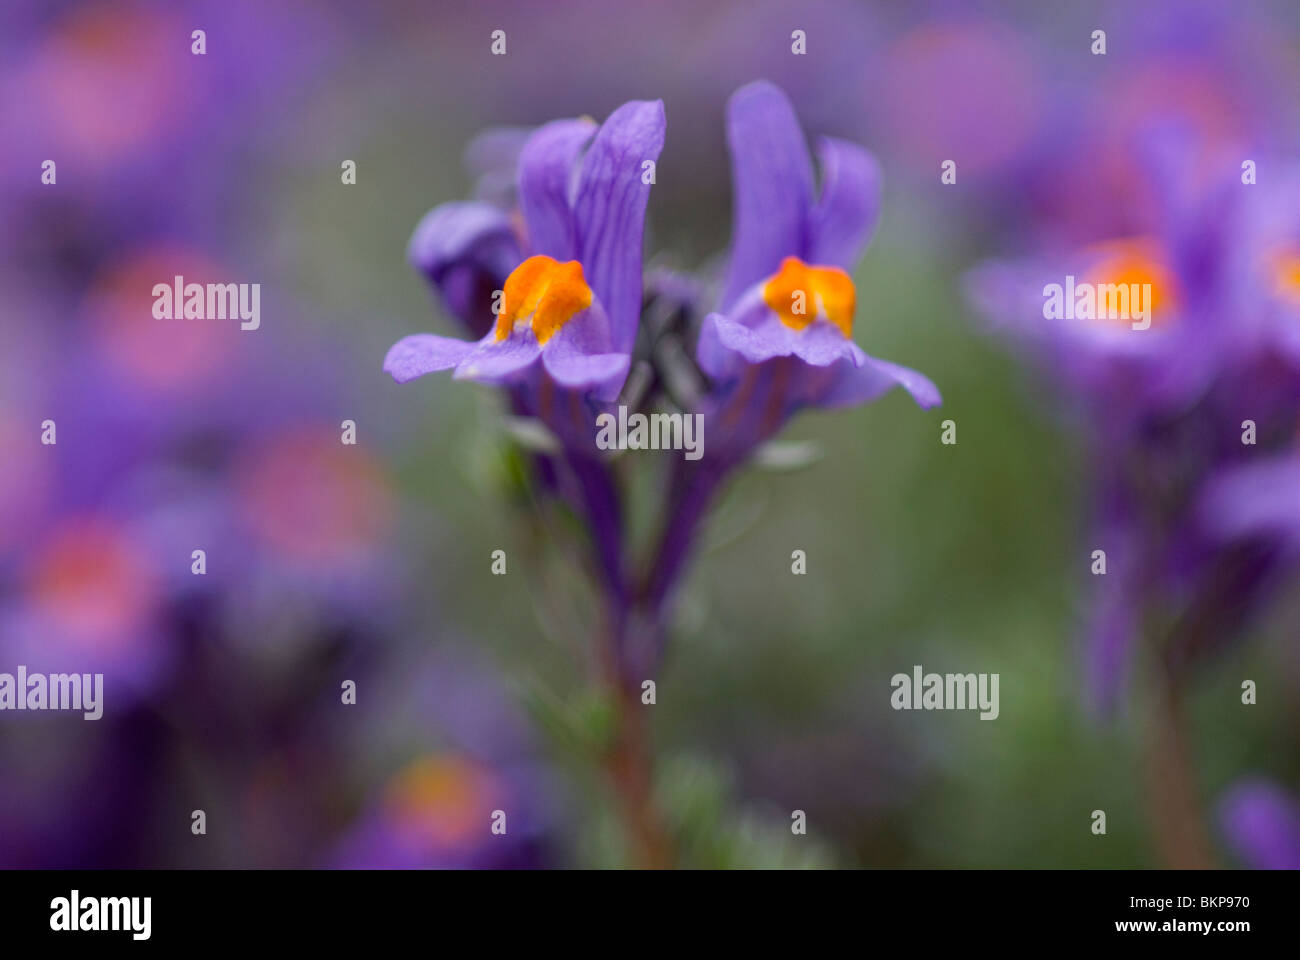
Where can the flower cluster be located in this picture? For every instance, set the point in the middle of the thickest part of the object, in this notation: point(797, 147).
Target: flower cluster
point(550, 280)
point(1190, 416)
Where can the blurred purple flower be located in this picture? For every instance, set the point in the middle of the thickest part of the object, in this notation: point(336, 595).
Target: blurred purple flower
point(1164, 406)
point(1262, 824)
point(469, 753)
point(435, 813)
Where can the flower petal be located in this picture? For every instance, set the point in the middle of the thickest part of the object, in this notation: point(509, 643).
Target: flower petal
point(841, 223)
point(713, 357)
point(466, 250)
point(546, 167)
point(609, 210)
point(422, 353)
point(773, 186)
point(754, 344)
point(822, 344)
point(492, 159)
point(754, 332)
point(855, 385)
point(580, 355)
point(580, 370)
point(494, 360)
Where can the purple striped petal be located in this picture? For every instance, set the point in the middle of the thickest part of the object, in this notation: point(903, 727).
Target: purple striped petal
point(609, 211)
point(772, 186)
point(547, 165)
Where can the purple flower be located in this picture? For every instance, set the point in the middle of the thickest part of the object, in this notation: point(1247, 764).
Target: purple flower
point(571, 301)
point(1262, 823)
point(468, 754)
point(1164, 391)
point(783, 337)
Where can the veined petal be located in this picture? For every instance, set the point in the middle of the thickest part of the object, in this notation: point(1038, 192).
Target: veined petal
point(422, 353)
point(855, 385)
point(609, 211)
point(773, 185)
point(494, 360)
point(547, 164)
point(841, 223)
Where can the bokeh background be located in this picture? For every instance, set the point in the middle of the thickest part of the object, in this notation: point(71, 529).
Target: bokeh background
point(369, 563)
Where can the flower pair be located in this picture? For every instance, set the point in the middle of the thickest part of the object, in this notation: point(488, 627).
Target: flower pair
point(564, 267)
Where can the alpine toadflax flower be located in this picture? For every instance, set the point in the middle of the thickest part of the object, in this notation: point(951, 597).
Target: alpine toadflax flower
point(569, 307)
point(788, 302)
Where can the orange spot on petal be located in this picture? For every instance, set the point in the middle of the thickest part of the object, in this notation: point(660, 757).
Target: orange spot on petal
point(1285, 270)
point(547, 293)
point(800, 293)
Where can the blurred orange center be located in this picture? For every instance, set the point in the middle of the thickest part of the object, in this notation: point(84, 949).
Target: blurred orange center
point(800, 293)
point(440, 799)
point(1286, 274)
point(90, 581)
point(312, 499)
point(1135, 263)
